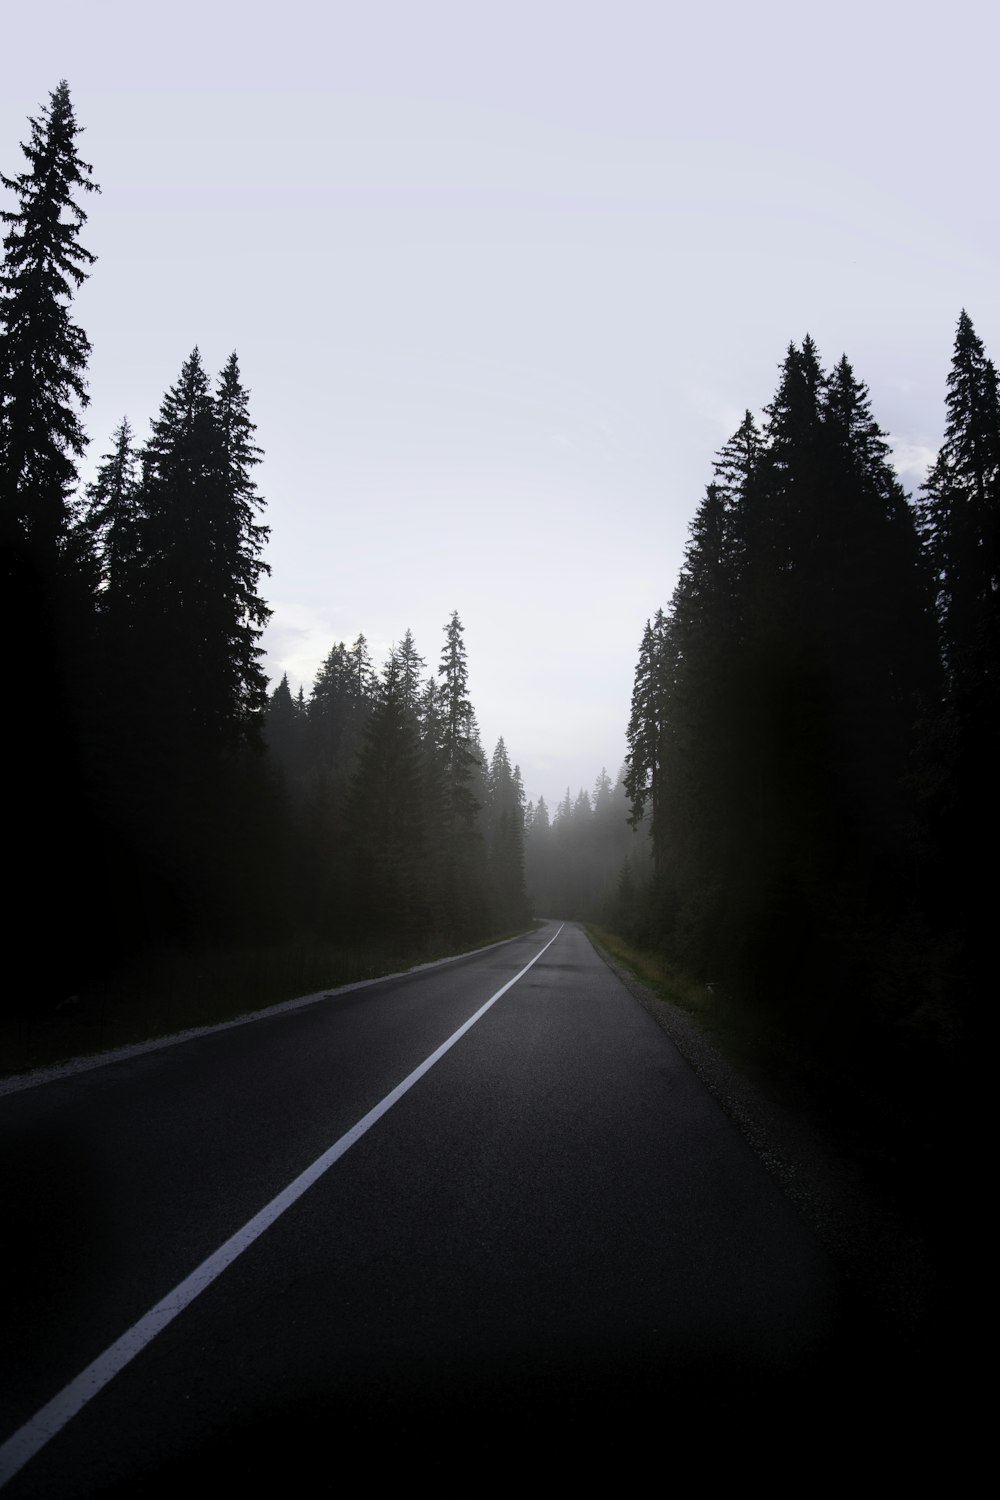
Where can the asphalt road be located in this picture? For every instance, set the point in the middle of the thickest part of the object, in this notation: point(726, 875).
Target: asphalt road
point(555, 1236)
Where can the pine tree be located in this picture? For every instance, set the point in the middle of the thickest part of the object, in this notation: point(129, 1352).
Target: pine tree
point(108, 522)
point(327, 711)
point(113, 516)
point(960, 518)
point(285, 730)
point(880, 629)
point(201, 564)
point(43, 354)
point(648, 725)
point(783, 522)
point(430, 716)
point(737, 460)
point(505, 839)
point(538, 854)
point(54, 838)
point(386, 816)
point(362, 671)
point(244, 539)
point(603, 794)
point(182, 628)
point(463, 858)
point(458, 729)
point(410, 664)
point(960, 508)
point(776, 705)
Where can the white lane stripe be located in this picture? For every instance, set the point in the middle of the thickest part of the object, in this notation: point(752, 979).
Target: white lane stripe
point(52, 1418)
point(19, 1081)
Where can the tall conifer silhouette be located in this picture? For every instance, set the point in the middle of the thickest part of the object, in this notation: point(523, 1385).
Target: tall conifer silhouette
point(46, 575)
point(960, 511)
point(201, 563)
point(43, 353)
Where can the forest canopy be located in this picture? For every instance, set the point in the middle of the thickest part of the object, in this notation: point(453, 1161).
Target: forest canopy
point(808, 789)
point(165, 794)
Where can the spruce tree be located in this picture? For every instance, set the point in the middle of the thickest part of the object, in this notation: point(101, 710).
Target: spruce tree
point(242, 566)
point(113, 516)
point(185, 627)
point(110, 520)
point(776, 705)
point(505, 839)
point(329, 759)
point(328, 709)
point(648, 725)
point(388, 886)
point(880, 631)
point(737, 460)
point(538, 858)
point(960, 507)
point(410, 664)
point(458, 729)
point(285, 731)
point(362, 671)
point(201, 564)
point(53, 838)
point(43, 354)
point(960, 516)
point(463, 860)
point(783, 523)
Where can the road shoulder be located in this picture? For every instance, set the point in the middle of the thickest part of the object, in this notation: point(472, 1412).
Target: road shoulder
point(881, 1255)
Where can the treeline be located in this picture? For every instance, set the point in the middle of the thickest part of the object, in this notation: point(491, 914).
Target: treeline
point(397, 825)
point(584, 861)
point(144, 806)
point(813, 735)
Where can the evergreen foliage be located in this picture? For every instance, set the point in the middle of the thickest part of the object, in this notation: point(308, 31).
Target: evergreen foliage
point(43, 354)
point(505, 838)
point(573, 861)
point(814, 722)
point(960, 518)
point(53, 833)
point(648, 723)
point(201, 615)
point(113, 517)
point(410, 665)
point(959, 511)
point(777, 703)
point(393, 807)
point(463, 865)
point(285, 729)
point(387, 816)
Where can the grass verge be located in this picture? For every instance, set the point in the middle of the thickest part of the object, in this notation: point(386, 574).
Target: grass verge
point(884, 1101)
point(176, 989)
point(753, 1049)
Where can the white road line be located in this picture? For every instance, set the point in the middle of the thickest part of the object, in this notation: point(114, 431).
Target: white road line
point(18, 1081)
point(52, 1418)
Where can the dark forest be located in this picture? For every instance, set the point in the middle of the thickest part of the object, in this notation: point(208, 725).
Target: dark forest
point(810, 751)
point(795, 856)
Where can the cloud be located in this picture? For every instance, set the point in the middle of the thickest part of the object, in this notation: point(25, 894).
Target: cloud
point(911, 460)
point(297, 639)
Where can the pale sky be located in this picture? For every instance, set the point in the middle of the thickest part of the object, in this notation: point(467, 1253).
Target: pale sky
point(502, 277)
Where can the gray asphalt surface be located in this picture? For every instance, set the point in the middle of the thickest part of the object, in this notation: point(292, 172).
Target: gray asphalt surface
point(554, 1237)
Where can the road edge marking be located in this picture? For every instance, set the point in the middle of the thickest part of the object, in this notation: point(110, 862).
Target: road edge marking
point(16, 1083)
point(50, 1419)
